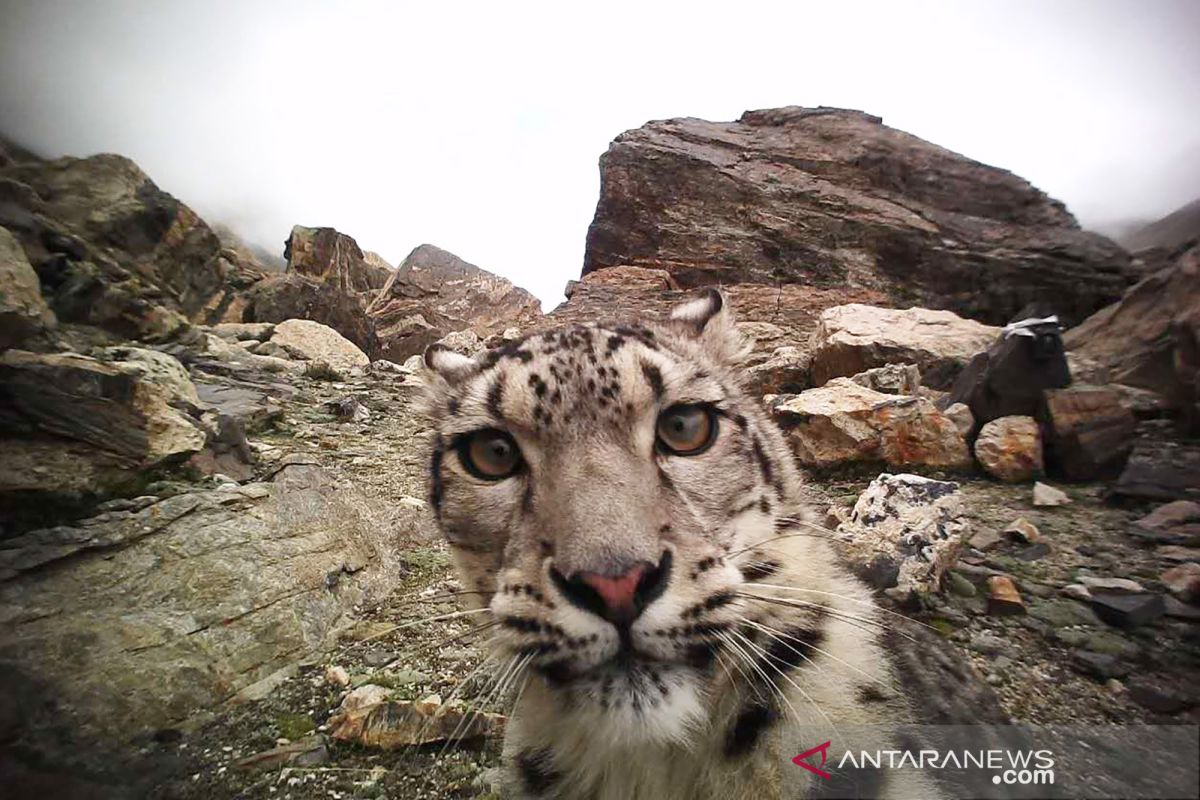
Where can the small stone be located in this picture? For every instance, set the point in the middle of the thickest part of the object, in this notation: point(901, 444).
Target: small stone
point(1178, 610)
point(367, 695)
point(428, 705)
point(990, 645)
point(337, 676)
point(377, 657)
point(1034, 552)
point(1022, 530)
point(1099, 665)
point(959, 585)
point(1045, 495)
point(1172, 523)
point(1077, 591)
point(881, 572)
point(1111, 585)
point(986, 539)
point(1003, 597)
point(1176, 554)
point(1128, 610)
point(1062, 613)
point(349, 409)
point(1183, 581)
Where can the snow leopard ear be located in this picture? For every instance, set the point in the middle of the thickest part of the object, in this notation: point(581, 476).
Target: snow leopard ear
point(708, 319)
point(451, 366)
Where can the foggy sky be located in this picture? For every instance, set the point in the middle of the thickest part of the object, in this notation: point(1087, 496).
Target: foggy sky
point(477, 127)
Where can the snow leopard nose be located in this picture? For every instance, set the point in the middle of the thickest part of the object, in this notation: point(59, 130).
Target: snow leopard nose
point(620, 598)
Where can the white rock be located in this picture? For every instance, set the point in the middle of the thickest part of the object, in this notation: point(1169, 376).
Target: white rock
point(1046, 495)
point(853, 338)
point(960, 414)
point(316, 342)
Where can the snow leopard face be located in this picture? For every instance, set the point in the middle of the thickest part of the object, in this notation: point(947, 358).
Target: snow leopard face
point(600, 487)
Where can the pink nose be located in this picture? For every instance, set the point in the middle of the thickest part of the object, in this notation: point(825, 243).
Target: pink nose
point(617, 592)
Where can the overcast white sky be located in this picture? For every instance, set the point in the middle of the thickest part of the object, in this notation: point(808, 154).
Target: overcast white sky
point(477, 127)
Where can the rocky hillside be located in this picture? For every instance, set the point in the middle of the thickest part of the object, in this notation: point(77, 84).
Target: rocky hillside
point(834, 198)
point(218, 576)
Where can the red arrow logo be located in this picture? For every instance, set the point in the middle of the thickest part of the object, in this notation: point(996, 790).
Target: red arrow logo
point(799, 760)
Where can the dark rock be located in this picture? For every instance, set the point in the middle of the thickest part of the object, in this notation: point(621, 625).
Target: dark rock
point(307, 752)
point(1184, 611)
point(1033, 552)
point(881, 572)
point(1160, 697)
point(833, 197)
point(1161, 471)
point(294, 296)
point(1101, 666)
point(1128, 610)
point(1088, 432)
point(1008, 379)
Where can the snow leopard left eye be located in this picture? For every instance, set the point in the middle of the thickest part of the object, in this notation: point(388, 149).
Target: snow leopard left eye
point(686, 430)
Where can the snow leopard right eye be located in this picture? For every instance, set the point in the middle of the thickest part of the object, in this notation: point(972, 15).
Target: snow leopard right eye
point(490, 454)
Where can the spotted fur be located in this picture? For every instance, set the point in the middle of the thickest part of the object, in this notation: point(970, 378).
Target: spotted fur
point(710, 691)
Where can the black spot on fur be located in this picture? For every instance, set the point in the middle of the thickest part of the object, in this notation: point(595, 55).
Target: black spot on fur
point(494, 397)
point(867, 693)
point(452, 406)
point(653, 377)
point(436, 490)
point(794, 647)
point(536, 773)
point(748, 728)
point(757, 570)
point(615, 343)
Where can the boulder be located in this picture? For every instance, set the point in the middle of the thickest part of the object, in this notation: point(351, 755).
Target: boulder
point(74, 423)
point(844, 422)
point(850, 339)
point(915, 523)
point(334, 259)
point(1151, 337)
point(114, 250)
point(1088, 430)
point(1171, 523)
point(315, 342)
point(960, 414)
point(1183, 581)
point(1009, 377)
point(833, 197)
point(433, 293)
point(1010, 448)
point(152, 614)
point(23, 312)
point(293, 296)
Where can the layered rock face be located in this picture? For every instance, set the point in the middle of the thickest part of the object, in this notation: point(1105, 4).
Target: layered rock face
point(1151, 338)
point(114, 250)
point(433, 293)
point(835, 198)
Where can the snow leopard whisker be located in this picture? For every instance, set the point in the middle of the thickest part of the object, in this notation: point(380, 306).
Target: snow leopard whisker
point(806, 535)
point(750, 647)
point(850, 619)
point(767, 659)
point(853, 600)
point(739, 656)
point(778, 635)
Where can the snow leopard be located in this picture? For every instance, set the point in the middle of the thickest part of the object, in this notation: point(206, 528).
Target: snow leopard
point(670, 619)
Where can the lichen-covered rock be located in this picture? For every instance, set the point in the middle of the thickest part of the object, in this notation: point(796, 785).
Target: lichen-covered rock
point(1010, 448)
point(335, 259)
point(154, 613)
point(315, 342)
point(1089, 432)
point(853, 338)
point(833, 197)
point(918, 523)
point(23, 312)
point(844, 422)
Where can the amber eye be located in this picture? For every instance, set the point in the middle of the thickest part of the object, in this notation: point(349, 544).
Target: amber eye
point(490, 454)
point(686, 430)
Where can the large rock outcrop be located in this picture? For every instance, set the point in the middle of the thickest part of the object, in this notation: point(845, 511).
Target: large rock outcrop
point(334, 258)
point(434, 293)
point(156, 608)
point(835, 198)
point(113, 250)
point(23, 312)
point(1151, 337)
